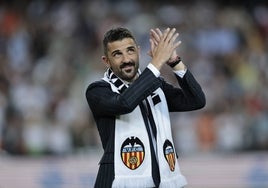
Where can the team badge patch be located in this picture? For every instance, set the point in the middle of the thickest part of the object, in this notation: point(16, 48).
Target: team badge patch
point(169, 154)
point(132, 152)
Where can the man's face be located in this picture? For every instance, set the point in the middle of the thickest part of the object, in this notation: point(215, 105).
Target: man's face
point(123, 58)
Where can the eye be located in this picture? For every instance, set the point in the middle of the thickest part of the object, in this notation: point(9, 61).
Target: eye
point(131, 50)
point(117, 54)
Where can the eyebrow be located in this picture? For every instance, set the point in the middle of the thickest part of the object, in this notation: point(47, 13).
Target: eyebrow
point(131, 47)
point(128, 48)
point(116, 51)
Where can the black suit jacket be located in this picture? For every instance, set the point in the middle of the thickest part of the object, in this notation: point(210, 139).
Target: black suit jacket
point(106, 105)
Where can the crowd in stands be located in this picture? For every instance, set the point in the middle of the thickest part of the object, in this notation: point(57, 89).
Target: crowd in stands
point(51, 50)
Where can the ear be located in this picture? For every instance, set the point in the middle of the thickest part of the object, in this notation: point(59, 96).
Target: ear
point(106, 61)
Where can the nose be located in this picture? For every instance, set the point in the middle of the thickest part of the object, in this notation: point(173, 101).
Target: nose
point(126, 58)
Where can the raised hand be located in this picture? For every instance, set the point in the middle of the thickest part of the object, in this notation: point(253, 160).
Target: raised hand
point(155, 37)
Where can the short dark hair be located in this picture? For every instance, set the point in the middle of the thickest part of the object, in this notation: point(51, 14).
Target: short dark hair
point(116, 34)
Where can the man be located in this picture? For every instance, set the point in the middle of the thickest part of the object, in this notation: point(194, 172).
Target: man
point(131, 109)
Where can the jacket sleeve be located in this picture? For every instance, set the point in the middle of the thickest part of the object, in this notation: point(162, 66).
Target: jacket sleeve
point(186, 98)
point(103, 101)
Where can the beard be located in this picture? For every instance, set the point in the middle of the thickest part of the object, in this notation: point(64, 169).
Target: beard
point(127, 71)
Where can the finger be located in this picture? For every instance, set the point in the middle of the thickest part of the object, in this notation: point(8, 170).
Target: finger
point(165, 34)
point(154, 40)
point(176, 45)
point(149, 53)
point(152, 45)
point(174, 37)
point(171, 35)
point(155, 35)
point(159, 32)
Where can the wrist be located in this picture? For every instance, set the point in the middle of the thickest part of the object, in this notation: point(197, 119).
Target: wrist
point(174, 62)
point(180, 67)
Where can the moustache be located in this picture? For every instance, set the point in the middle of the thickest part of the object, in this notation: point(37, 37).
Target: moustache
point(127, 64)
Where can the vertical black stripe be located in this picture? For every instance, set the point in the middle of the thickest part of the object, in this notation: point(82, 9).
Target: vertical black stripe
point(155, 167)
point(151, 118)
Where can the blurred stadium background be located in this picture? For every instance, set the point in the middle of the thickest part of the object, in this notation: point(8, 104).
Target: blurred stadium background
point(50, 51)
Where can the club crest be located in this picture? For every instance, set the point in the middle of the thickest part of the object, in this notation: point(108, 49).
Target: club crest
point(132, 152)
point(169, 153)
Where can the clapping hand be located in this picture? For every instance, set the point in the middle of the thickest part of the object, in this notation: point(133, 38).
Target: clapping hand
point(158, 38)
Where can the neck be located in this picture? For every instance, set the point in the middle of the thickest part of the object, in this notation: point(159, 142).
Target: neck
point(129, 82)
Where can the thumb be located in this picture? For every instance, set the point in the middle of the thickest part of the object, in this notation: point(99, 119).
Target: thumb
point(150, 53)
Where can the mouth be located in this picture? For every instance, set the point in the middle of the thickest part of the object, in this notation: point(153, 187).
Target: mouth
point(127, 66)
point(128, 69)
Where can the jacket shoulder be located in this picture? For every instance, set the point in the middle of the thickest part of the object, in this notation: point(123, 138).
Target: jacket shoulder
point(99, 83)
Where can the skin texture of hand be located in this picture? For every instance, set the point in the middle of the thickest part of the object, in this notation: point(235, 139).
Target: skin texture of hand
point(155, 35)
point(163, 46)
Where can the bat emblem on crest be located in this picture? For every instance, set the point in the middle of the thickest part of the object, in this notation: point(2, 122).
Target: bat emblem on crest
point(169, 153)
point(132, 152)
